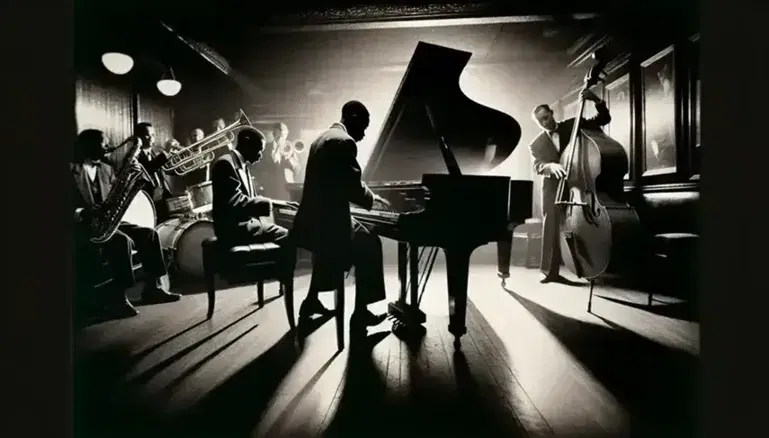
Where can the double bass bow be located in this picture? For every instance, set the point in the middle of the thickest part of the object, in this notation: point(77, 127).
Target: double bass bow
point(597, 226)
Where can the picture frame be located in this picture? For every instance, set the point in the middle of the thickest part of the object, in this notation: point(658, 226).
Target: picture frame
point(619, 101)
point(658, 93)
point(695, 93)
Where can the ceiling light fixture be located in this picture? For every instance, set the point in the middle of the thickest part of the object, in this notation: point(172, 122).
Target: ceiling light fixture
point(117, 63)
point(169, 87)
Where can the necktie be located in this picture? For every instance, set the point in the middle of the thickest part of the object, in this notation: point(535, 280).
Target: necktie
point(248, 181)
point(96, 187)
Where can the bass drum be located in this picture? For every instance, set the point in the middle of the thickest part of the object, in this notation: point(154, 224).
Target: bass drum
point(141, 211)
point(181, 239)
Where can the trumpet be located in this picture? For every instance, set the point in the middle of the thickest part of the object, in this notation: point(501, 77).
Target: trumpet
point(292, 148)
point(201, 153)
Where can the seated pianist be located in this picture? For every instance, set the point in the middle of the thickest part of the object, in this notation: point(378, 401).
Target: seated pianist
point(92, 179)
point(324, 226)
point(240, 215)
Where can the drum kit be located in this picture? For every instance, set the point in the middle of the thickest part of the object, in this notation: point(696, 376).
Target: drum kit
point(191, 221)
point(190, 224)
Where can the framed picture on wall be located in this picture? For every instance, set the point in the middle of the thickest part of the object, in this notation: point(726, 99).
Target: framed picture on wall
point(619, 103)
point(659, 114)
point(695, 91)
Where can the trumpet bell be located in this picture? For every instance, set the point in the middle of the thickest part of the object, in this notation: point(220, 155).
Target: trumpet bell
point(299, 146)
point(202, 153)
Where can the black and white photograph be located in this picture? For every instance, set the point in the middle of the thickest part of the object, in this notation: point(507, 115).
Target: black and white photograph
point(417, 220)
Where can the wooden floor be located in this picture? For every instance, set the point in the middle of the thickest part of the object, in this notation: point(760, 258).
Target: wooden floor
point(534, 363)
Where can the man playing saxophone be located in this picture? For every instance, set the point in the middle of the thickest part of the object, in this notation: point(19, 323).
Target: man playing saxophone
point(92, 181)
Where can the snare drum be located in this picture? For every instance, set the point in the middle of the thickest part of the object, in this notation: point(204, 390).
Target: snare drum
point(182, 240)
point(179, 205)
point(201, 195)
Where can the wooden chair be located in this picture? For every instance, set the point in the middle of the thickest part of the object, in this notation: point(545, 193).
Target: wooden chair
point(255, 262)
point(327, 277)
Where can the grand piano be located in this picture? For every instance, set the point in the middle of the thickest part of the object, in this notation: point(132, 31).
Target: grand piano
point(432, 133)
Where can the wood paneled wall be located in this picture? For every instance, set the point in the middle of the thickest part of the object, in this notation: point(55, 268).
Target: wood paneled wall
point(161, 114)
point(654, 96)
point(116, 109)
point(105, 107)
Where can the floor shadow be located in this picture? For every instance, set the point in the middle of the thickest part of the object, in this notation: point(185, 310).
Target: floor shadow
point(108, 404)
point(657, 385)
point(234, 408)
point(363, 398)
point(426, 407)
point(684, 311)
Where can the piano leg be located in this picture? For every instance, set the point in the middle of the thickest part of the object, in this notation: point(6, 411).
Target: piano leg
point(457, 270)
point(414, 275)
point(504, 250)
point(402, 272)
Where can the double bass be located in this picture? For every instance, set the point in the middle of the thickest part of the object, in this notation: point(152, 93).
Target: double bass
point(597, 226)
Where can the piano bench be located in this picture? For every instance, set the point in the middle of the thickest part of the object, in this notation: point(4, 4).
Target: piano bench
point(254, 262)
point(326, 277)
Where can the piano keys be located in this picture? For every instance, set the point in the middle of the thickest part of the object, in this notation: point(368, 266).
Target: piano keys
point(429, 161)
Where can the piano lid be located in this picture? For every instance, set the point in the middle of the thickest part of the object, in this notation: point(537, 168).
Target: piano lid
point(408, 145)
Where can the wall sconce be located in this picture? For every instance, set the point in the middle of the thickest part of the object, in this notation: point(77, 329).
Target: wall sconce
point(117, 63)
point(169, 87)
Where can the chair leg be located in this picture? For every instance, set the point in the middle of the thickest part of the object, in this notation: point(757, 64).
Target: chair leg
point(260, 293)
point(339, 310)
point(287, 290)
point(210, 274)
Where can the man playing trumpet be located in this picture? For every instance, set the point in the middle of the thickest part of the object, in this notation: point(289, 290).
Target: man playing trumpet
point(92, 181)
point(282, 165)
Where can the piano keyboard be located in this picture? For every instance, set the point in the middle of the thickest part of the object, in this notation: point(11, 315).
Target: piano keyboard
point(381, 217)
point(386, 217)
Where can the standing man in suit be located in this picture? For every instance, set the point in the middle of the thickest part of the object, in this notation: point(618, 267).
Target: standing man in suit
point(92, 180)
point(546, 151)
point(323, 224)
point(153, 160)
point(280, 167)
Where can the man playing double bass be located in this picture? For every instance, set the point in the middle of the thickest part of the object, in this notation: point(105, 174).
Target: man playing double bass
point(546, 151)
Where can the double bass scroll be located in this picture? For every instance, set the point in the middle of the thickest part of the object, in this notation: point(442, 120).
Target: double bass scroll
point(597, 226)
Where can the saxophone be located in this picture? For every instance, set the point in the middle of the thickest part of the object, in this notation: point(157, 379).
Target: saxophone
point(128, 182)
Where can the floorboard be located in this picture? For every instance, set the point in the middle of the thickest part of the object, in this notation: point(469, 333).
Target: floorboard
point(534, 363)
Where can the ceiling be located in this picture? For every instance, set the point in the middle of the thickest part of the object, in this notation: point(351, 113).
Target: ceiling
point(287, 71)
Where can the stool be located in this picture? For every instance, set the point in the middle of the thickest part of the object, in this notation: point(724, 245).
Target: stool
point(257, 261)
point(674, 250)
point(326, 277)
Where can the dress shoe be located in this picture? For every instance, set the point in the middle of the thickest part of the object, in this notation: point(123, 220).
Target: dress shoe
point(312, 306)
point(366, 318)
point(156, 295)
point(548, 278)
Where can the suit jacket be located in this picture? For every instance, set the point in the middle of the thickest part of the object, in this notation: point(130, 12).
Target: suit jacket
point(543, 151)
point(236, 214)
point(332, 181)
point(160, 186)
point(81, 191)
